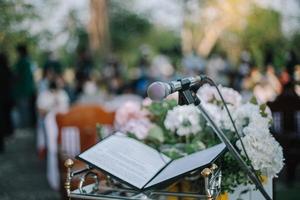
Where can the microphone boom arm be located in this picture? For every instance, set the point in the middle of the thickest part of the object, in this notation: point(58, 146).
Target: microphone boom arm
point(186, 96)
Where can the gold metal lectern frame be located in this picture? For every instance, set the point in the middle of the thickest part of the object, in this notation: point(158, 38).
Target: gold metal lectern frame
point(111, 189)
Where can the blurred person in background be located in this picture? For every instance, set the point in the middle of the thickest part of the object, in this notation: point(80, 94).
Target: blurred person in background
point(264, 91)
point(90, 94)
point(217, 68)
point(113, 76)
point(24, 90)
point(48, 75)
point(6, 100)
point(43, 86)
point(52, 64)
point(272, 79)
point(284, 77)
point(297, 79)
point(161, 67)
point(143, 79)
point(250, 81)
point(268, 87)
point(287, 74)
point(252, 78)
point(193, 64)
point(53, 99)
point(83, 69)
point(243, 70)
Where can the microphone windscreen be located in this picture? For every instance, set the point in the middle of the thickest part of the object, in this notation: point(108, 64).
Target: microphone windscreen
point(157, 91)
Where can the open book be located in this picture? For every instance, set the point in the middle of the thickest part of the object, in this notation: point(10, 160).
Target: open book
point(141, 166)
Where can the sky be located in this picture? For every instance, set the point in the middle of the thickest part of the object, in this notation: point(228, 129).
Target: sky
point(167, 13)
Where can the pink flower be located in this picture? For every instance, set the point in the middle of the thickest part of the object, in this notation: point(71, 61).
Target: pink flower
point(139, 127)
point(128, 111)
point(131, 118)
point(147, 101)
point(173, 96)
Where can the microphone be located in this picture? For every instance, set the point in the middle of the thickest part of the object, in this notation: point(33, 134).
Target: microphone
point(157, 91)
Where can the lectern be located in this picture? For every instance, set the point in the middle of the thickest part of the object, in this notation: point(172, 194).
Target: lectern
point(109, 188)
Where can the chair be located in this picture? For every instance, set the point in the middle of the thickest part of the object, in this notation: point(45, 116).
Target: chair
point(286, 128)
point(76, 133)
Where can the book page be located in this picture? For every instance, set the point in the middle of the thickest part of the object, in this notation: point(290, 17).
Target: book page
point(126, 159)
point(187, 164)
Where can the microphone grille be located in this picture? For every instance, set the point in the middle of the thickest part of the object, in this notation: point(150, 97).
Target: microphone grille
point(157, 91)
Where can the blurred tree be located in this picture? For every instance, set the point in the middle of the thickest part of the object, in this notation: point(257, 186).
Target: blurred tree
point(77, 38)
point(263, 37)
point(294, 45)
point(125, 26)
point(214, 19)
point(98, 28)
point(129, 31)
point(234, 26)
point(14, 14)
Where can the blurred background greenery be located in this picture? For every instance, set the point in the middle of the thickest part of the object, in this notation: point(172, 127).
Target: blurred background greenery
point(121, 28)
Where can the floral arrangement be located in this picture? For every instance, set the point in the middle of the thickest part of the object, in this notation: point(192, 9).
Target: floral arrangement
point(181, 130)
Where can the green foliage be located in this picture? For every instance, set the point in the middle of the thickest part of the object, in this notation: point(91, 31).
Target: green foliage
point(168, 142)
point(77, 41)
point(125, 27)
point(159, 110)
point(233, 173)
point(294, 45)
point(129, 31)
point(263, 110)
point(156, 134)
point(126, 30)
point(263, 35)
point(13, 15)
point(166, 42)
point(262, 107)
point(253, 100)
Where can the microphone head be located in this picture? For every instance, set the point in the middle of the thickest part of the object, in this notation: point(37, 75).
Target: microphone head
point(157, 91)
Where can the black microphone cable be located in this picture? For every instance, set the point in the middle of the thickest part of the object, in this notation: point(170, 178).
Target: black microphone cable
point(211, 82)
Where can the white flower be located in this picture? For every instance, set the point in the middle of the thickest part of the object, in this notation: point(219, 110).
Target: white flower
point(230, 96)
point(264, 152)
point(184, 120)
point(209, 93)
point(219, 115)
point(247, 117)
point(225, 119)
point(206, 93)
point(214, 111)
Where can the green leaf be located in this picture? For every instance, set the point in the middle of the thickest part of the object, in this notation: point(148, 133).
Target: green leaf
point(253, 100)
point(156, 133)
point(262, 109)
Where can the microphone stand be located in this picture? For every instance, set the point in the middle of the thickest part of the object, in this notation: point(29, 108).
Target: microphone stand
point(187, 95)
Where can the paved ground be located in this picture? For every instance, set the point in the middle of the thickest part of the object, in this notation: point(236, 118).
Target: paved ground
point(22, 174)
point(23, 177)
